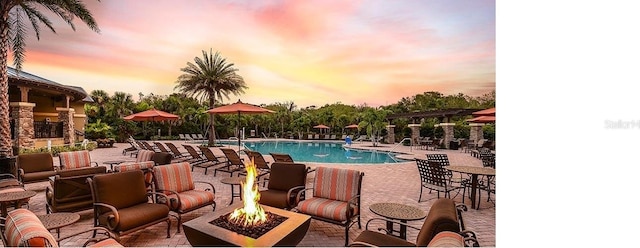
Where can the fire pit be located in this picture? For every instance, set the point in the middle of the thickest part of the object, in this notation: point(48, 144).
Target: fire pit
point(249, 225)
point(200, 232)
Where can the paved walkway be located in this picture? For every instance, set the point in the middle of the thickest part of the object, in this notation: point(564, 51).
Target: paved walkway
point(382, 183)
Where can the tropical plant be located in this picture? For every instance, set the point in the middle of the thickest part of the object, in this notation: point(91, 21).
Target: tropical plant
point(210, 78)
point(373, 121)
point(13, 32)
point(98, 130)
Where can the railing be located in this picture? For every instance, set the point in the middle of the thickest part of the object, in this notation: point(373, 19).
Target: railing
point(43, 129)
point(400, 144)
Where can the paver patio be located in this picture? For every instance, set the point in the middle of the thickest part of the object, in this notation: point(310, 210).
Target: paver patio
point(398, 183)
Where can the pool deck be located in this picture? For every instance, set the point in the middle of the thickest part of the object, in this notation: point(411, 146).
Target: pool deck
point(399, 183)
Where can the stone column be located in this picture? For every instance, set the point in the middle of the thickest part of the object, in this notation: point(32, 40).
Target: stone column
point(65, 115)
point(415, 133)
point(448, 133)
point(476, 132)
point(391, 135)
point(22, 113)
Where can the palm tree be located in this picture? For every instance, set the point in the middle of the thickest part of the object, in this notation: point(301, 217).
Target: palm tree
point(210, 78)
point(13, 31)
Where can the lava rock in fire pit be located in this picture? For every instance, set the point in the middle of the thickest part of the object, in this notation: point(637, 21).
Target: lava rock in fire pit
point(254, 231)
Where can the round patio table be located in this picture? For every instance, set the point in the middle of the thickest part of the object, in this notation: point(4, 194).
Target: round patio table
point(58, 220)
point(234, 181)
point(474, 172)
point(16, 197)
point(397, 211)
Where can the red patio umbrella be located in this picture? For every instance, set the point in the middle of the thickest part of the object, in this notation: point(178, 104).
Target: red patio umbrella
point(151, 115)
point(352, 126)
point(482, 119)
point(321, 126)
point(239, 108)
point(486, 112)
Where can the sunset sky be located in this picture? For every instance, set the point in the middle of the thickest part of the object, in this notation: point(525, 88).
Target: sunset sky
point(309, 52)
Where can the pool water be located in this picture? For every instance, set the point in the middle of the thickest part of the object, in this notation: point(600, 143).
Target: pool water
point(322, 152)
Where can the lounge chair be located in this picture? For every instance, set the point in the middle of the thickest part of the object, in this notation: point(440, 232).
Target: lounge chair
point(182, 137)
point(309, 136)
point(161, 147)
point(234, 162)
point(175, 151)
point(211, 158)
point(281, 158)
point(361, 138)
point(195, 156)
point(261, 164)
point(316, 136)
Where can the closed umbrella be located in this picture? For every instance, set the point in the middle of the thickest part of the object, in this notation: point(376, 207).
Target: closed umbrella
point(239, 108)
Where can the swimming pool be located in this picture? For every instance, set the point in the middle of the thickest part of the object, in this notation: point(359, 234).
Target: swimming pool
point(322, 152)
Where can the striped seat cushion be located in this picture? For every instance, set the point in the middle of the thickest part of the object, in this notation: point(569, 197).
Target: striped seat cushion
point(145, 155)
point(176, 177)
point(144, 166)
point(326, 208)
point(446, 239)
point(336, 184)
point(74, 160)
point(23, 228)
point(107, 243)
point(192, 199)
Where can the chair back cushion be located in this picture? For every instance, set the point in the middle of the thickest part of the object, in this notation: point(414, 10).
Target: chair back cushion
point(35, 162)
point(121, 190)
point(285, 176)
point(162, 158)
point(144, 155)
point(336, 184)
point(74, 160)
point(23, 228)
point(443, 216)
point(83, 171)
point(447, 239)
point(176, 177)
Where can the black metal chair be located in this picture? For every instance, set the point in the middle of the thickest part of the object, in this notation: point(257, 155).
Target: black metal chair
point(434, 176)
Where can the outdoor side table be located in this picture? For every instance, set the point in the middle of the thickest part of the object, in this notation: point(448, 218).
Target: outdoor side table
point(400, 212)
point(16, 197)
point(474, 172)
point(232, 181)
point(111, 163)
point(58, 220)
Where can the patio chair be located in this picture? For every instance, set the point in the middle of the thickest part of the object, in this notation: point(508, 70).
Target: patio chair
point(316, 136)
point(188, 138)
point(434, 144)
point(285, 181)
point(161, 147)
point(146, 168)
point(149, 147)
point(281, 158)
point(35, 167)
point(69, 190)
point(176, 182)
point(22, 228)
point(262, 166)
point(309, 136)
point(126, 213)
point(175, 151)
point(75, 160)
point(434, 176)
point(234, 162)
point(471, 145)
point(134, 148)
point(443, 227)
point(182, 137)
point(196, 159)
point(211, 158)
point(335, 198)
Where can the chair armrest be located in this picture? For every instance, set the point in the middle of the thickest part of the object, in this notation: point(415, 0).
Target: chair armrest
point(290, 192)
point(98, 229)
point(20, 174)
point(299, 195)
point(115, 216)
point(94, 163)
point(10, 176)
point(470, 239)
point(352, 202)
point(166, 198)
point(362, 244)
point(390, 220)
point(213, 188)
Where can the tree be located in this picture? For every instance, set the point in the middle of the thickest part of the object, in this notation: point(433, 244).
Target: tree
point(210, 78)
point(13, 31)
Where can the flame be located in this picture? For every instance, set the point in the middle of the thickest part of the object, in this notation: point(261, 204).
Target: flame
point(251, 213)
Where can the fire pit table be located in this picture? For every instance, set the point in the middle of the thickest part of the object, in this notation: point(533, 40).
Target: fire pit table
point(200, 232)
